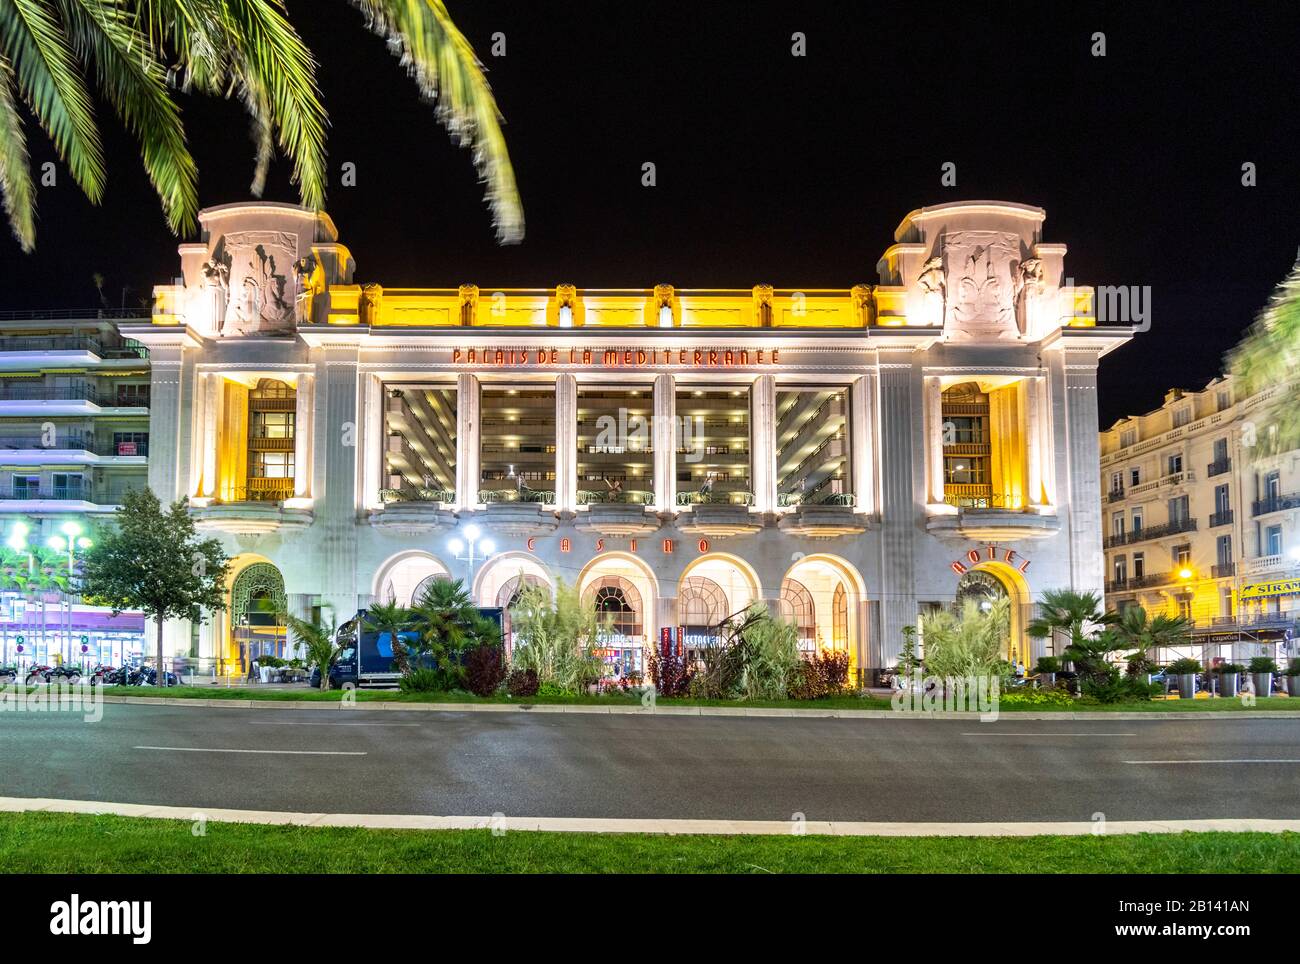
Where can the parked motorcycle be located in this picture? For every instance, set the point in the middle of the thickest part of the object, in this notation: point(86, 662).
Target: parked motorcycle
point(65, 673)
point(39, 674)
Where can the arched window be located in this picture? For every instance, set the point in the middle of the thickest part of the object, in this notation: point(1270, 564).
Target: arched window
point(426, 584)
point(257, 606)
point(618, 605)
point(840, 619)
point(508, 598)
point(701, 606)
point(797, 605)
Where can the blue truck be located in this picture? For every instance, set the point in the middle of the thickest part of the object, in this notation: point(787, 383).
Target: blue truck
point(366, 657)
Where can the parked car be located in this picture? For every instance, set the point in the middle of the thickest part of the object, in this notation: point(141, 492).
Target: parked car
point(9, 674)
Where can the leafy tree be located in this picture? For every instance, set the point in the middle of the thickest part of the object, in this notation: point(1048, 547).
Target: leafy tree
point(152, 559)
point(137, 51)
point(317, 640)
point(392, 619)
point(907, 659)
point(1133, 629)
point(449, 624)
point(1077, 613)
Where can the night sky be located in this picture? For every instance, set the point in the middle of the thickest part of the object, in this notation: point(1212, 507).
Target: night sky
point(773, 168)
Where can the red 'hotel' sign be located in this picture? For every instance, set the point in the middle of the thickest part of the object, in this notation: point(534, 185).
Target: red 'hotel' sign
point(990, 553)
point(611, 358)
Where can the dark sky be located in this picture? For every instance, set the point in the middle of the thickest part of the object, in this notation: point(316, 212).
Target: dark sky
point(780, 169)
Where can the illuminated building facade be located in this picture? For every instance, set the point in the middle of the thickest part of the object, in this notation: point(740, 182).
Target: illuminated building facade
point(74, 436)
point(852, 458)
point(1199, 521)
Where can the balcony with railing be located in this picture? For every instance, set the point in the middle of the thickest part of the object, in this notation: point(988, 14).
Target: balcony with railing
point(260, 505)
point(1221, 518)
point(1223, 570)
point(32, 449)
point(1115, 495)
point(33, 391)
point(99, 347)
point(1275, 503)
point(1218, 467)
point(1172, 528)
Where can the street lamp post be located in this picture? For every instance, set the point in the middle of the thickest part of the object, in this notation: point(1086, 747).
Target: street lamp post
point(465, 550)
point(70, 541)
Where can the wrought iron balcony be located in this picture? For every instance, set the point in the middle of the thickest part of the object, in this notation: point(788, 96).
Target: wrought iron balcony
point(1221, 518)
point(1275, 503)
point(1115, 495)
point(1218, 467)
point(1172, 528)
point(1223, 570)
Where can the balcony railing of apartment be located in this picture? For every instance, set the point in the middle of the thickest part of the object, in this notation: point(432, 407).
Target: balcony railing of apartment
point(62, 493)
point(1223, 570)
point(543, 496)
point(1221, 518)
point(418, 494)
point(1150, 579)
point(966, 495)
point(77, 314)
point(1115, 495)
point(790, 499)
point(1218, 467)
point(71, 443)
point(1117, 585)
point(70, 393)
point(596, 497)
point(261, 490)
point(715, 498)
point(1252, 621)
point(1275, 503)
point(1172, 528)
point(126, 348)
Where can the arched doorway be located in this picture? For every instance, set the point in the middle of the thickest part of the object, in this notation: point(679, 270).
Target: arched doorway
point(824, 596)
point(257, 607)
point(508, 597)
point(404, 577)
point(619, 607)
point(989, 582)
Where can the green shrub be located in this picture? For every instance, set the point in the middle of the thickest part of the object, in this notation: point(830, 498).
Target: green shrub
point(556, 639)
point(422, 679)
point(1048, 664)
point(1263, 664)
point(485, 668)
point(1118, 689)
point(1293, 668)
point(1184, 667)
point(522, 682)
point(1227, 669)
point(824, 674)
point(1048, 697)
point(969, 642)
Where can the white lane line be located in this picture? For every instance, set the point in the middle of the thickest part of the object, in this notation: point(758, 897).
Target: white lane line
point(1089, 736)
point(664, 826)
point(1183, 762)
point(213, 749)
point(310, 723)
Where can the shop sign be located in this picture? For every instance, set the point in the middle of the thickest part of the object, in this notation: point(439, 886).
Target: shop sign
point(1277, 587)
point(617, 358)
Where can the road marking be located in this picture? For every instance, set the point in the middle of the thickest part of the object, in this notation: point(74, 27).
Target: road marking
point(308, 723)
point(1089, 736)
point(213, 749)
point(1181, 762)
point(1075, 828)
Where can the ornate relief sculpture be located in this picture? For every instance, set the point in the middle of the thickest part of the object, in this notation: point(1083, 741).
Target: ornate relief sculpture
point(216, 291)
point(261, 267)
point(369, 307)
point(306, 277)
point(934, 290)
point(982, 302)
point(1031, 279)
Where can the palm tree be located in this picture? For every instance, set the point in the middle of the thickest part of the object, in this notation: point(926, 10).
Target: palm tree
point(1268, 357)
point(1077, 613)
point(449, 623)
point(318, 641)
point(137, 50)
point(392, 619)
point(1134, 630)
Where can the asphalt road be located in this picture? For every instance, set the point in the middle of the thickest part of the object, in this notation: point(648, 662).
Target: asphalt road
point(555, 765)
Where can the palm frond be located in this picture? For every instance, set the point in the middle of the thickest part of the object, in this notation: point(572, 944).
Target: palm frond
point(34, 43)
point(421, 34)
point(133, 81)
point(15, 168)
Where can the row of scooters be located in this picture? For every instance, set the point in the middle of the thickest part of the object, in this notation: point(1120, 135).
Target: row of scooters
point(95, 676)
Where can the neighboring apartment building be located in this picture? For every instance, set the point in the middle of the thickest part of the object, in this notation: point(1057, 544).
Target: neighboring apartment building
point(74, 435)
point(851, 457)
point(1197, 523)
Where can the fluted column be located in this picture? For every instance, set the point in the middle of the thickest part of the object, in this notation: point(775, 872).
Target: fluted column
point(665, 442)
point(762, 442)
point(934, 439)
point(1035, 448)
point(566, 443)
point(862, 410)
point(467, 441)
point(304, 415)
point(209, 419)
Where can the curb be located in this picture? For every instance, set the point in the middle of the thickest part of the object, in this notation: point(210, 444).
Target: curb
point(669, 826)
point(730, 711)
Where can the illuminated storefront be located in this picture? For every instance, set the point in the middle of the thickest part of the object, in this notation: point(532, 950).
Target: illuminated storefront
point(677, 454)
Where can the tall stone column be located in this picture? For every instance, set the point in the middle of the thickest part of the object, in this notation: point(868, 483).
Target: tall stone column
point(934, 439)
point(566, 443)
point(1087, 561)
point(207, 440)
point(762, 442)
point(1037, 444)
point(304, 409)
point(372, 442)
point(902, 495)
point(165, 364)
point(862, 428)
point(665, 443)
point(467, 441)
point(336, 482)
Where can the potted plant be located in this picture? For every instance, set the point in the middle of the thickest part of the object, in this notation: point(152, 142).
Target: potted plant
point(1262, 669)
point(1185, 670)
point(1047, 668)
point(1229, 678)
point(1293, 677)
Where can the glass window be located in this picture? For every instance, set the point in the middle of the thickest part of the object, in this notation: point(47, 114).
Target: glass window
point(517, 444)
point(272, 424)
point(1139, 565)
point(615, 444)
point(712, 444)
point(270, 465)
point(420, 442)
point(1273, 541)
point(1134, 476)
point(812, 445)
